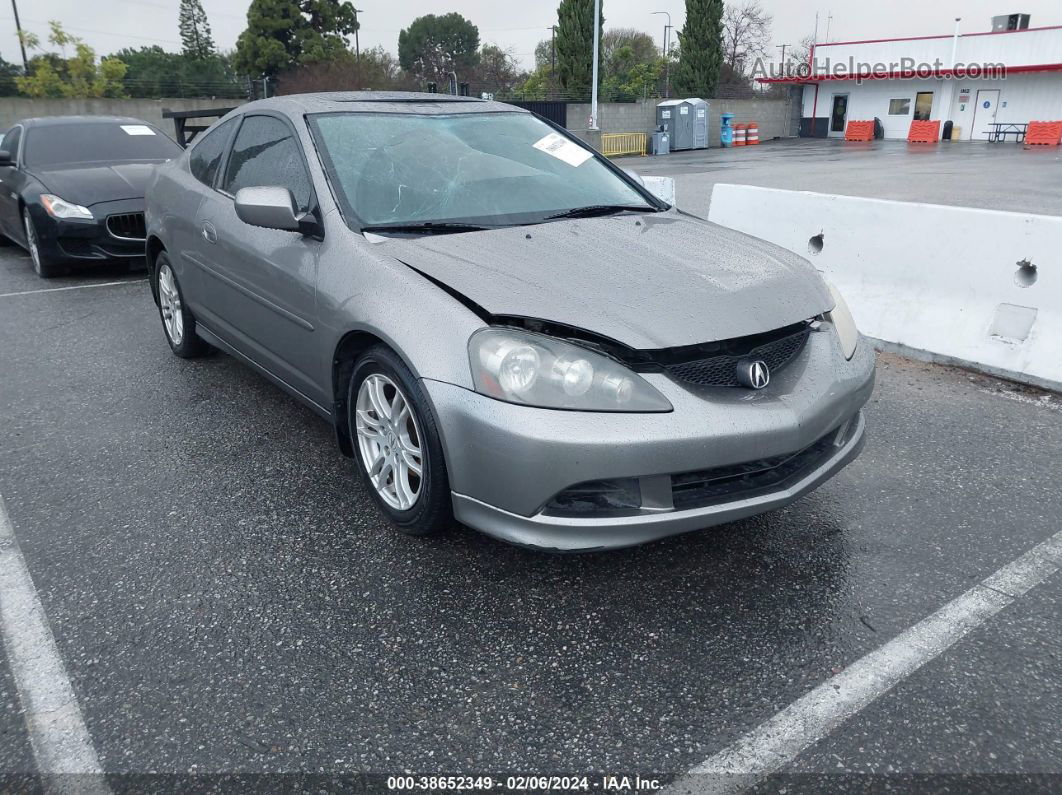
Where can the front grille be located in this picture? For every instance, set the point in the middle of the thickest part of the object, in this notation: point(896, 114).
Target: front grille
point(701, 489)
point(127, 225)
point(721, 369)
point(723, 484)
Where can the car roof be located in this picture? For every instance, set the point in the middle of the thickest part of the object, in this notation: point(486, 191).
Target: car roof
point(59, 121)
point(377, 102)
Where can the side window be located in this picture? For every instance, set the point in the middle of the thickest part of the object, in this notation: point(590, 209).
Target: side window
point(10, 141)
point(265, 153)
point(208, 151)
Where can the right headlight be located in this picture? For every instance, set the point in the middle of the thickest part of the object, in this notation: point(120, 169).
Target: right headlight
point(536, 370)
point(841, 317)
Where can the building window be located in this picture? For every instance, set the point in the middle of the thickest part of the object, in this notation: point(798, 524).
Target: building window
point(899, 107)
point(923, 105)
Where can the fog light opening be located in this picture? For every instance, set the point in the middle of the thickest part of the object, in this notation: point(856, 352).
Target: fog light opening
point(1026, 274)
point(815, 244)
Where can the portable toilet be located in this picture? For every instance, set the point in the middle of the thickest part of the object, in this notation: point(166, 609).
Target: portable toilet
point(686, 122)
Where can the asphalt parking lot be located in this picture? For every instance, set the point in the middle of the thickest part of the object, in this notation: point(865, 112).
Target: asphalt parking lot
point(226, 599)
point(967, 174)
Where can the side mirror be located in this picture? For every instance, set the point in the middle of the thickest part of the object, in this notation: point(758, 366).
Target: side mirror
point(661, 187)
point(270, 207)
point(5, 158)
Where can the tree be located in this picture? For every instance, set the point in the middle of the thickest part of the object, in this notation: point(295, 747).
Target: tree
point(632, 65)
point(281, 34)
point(434, 46)
point(153, 72)
point(8, 73)
point(700, 49)
point(544, 54)
point(497, 71)
point(196, 40)
point(623, 48)
point(746, 36)
point(575, 46)
point(53, 75)
point(376, 70)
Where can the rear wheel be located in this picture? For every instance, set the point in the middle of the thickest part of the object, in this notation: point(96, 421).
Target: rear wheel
point(397, 444)
point(42, 265)
point(178, 323)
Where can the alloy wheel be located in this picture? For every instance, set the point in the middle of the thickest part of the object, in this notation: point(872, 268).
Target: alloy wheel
point(170, 305)
point(389, 440)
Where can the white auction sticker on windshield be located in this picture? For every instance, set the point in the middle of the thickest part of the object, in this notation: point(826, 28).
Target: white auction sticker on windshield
point(137, 129)
point(563, 149)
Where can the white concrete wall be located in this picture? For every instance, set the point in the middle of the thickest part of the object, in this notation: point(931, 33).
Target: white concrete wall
point(931, 279)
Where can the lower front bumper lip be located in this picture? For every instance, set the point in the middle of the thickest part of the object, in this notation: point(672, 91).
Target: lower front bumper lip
point(572, 534)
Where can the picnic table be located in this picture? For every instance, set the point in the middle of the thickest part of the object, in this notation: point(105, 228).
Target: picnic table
point(999, 130)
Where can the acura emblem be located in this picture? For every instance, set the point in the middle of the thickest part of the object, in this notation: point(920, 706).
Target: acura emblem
point(753, 373)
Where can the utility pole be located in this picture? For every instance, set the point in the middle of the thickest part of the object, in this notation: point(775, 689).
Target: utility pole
point(21, 43)
point(667, 53)
point(552, 50)
point(357, 26)
point(597, 46)
point(783, 48)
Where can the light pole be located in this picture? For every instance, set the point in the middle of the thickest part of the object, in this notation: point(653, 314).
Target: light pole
point(357, 27)
point(667, 53)
point(597, 46)
point(21, 42)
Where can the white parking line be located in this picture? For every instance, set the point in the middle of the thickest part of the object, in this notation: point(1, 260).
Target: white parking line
point(72, 287)
point(66, 759)
point(807, 720)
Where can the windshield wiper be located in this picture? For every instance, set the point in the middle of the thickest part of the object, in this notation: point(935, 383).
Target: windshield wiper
point(426, 228)
point(601, 209)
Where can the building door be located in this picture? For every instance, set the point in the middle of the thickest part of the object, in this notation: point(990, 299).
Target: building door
point(923, 109)
point(984, 113)
point(838, 115)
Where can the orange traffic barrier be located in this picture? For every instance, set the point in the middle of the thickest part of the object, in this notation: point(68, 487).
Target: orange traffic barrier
point(752, 133)
point(924, 132)
point(740, 131)
point(1043, 133)
point(859, 131)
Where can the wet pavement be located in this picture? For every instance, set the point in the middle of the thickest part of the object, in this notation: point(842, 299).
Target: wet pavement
point(226, 598)
point(965, 174)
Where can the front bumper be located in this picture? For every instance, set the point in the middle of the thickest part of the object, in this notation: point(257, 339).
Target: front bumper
point(88, 240)
point(507, 462)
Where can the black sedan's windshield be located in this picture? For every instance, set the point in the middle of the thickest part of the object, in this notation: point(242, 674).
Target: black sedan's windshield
point(483, 168)
point(96, 142)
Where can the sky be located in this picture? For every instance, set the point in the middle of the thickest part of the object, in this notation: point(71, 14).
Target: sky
point(109, 25)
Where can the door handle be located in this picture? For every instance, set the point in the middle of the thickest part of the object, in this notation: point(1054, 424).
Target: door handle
point(210, 234)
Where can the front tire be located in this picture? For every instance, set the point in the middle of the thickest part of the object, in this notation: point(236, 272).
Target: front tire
point(43, 266)
point(396, 444)
point(178, 322)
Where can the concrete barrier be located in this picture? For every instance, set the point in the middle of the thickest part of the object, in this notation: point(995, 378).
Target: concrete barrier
point(980, 288)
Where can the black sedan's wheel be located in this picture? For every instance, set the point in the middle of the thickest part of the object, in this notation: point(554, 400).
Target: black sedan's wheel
point(393, 432)
point(42, 265)
point(178, 323)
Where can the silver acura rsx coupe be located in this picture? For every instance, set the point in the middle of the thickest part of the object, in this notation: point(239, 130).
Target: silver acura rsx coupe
point(501, 325)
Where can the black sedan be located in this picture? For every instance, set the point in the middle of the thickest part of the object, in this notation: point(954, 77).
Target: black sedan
point(73, 187)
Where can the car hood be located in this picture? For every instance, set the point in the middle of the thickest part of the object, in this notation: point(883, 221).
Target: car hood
point(90, 183)
point(647, 281)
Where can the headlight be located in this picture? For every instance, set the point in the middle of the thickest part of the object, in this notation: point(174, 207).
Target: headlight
point(841, 317)
point(536, 370)
point(60, 208)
